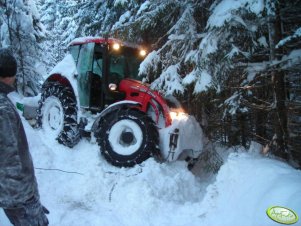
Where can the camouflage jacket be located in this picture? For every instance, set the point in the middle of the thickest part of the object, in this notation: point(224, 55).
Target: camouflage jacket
point(17, 180)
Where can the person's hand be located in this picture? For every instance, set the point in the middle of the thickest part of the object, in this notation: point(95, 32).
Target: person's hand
point(35, 212)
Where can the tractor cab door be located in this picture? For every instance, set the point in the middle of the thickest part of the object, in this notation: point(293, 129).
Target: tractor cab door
point(96, 79)
point(90, 76)
point(100, 70)
point(84, 68)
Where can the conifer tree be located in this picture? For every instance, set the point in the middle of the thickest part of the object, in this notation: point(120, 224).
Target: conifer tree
point(22, 31)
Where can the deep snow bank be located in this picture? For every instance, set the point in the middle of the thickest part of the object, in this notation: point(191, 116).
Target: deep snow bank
point(80, 188)
point(246, 185)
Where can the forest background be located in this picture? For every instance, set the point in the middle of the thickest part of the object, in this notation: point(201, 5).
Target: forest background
point(234, 64)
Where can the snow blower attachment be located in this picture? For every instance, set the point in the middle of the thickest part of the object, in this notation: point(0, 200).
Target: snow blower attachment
point(95, 91)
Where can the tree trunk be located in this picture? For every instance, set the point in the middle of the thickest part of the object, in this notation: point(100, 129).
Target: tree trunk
point(280, 114)
point(8, 21)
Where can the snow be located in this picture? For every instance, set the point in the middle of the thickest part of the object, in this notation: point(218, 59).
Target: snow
point(80, 188)
point(190, 130)
point(297, 34)
point(234, 51)
point(143, 7)
point(53, 117)
point(233, 103)
point(120, 2)
point(151, 59)
point(191, 56)
point(263, 41)
point(254, 68)
point(3, 31)
point(30, 101)
point(246, 186)
point(116, 134)
point(122, 19)
point(172, 80)
point(223, 12)
point(293, 58)
point(203, 83)
point(67, 68)
point(190, 78)
point(208, 44)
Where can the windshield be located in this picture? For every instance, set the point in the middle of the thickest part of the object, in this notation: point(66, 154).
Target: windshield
point(124, 63)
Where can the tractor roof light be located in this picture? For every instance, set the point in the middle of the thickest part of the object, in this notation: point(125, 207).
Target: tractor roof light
point(142, 52)
point(116, 46)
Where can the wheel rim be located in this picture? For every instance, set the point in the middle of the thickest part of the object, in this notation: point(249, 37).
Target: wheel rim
point(53, 116)
point(125, 137)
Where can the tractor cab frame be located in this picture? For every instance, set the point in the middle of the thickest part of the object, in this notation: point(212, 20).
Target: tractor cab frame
point(102, 64)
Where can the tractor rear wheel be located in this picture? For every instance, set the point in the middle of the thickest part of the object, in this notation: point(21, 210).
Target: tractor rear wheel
point(57, 114)
point(127, 137)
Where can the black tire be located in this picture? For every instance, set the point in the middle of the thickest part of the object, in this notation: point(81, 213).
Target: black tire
point(135, 141)
point(62, 100)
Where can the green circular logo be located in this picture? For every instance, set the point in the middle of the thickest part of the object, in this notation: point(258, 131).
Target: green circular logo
point(282, 215)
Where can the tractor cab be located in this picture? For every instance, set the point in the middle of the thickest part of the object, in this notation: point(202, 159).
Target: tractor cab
point(102, 64)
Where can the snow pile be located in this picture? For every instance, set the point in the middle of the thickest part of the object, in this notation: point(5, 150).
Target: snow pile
point(190, 138)
point(246, 186)
point(80, 188)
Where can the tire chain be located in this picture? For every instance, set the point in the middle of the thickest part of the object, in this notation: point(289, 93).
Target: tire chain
point(70, 134)
point(151, 138)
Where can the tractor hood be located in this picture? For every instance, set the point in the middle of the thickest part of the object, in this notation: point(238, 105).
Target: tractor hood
point(143, 94)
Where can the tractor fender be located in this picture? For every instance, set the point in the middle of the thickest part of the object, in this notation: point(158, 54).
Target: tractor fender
point(65, 73)
point(112, 107)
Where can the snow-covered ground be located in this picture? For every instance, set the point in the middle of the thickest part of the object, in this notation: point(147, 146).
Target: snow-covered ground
point(80, 188)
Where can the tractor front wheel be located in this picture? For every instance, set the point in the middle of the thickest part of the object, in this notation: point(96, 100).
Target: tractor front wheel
point(127, 137)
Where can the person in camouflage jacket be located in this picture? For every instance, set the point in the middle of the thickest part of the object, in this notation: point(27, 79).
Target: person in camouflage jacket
point(19, 196)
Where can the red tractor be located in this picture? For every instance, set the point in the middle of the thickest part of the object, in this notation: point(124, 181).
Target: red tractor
point(95, 91)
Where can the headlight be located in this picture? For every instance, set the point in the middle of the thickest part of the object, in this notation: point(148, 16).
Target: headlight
point(178, 115)
point(112, 86)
